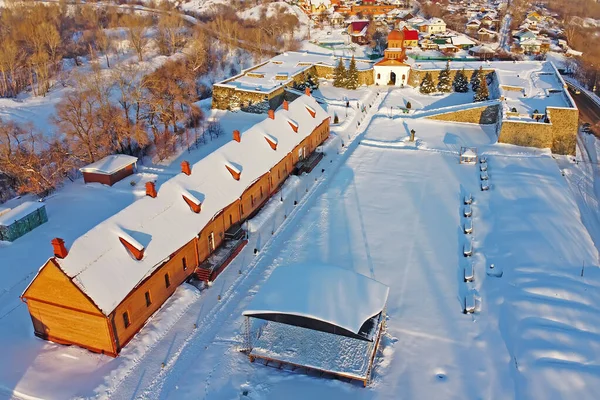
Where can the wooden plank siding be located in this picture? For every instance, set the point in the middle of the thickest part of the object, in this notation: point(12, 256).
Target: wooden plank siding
point(70, 317)
point(254, 196)
point(135, 303)
point(62, 313)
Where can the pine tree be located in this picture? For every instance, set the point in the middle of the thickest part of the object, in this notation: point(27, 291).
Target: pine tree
point(444, 82)
point(352, 76)
point(427, 85)
point(339, 74)
point(475, 79)
point(482, 93)
point(461, 85)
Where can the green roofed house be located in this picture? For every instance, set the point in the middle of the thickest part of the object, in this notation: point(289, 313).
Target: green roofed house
point(24, 218)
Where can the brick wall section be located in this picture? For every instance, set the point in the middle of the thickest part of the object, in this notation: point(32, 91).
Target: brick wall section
point(477, 115)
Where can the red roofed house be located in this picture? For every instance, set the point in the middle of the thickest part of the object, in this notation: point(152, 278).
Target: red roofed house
point(411, 38)
point(358, 31)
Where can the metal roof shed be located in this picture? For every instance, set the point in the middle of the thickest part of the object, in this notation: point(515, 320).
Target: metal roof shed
point(22, 219)
point(310, 307)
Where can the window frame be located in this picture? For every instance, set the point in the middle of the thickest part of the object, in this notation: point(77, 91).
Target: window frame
point(126, 319)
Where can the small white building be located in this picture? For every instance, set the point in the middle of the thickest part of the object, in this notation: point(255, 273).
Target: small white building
point(391, 72)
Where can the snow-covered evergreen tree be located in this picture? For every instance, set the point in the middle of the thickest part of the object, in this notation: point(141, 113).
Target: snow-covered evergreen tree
point(482, 93)
point(261, 107)
point(461, 85)
point(444, 82)
point(352, 75)
point(427, 85)
point(475, 79)
point(339, 74)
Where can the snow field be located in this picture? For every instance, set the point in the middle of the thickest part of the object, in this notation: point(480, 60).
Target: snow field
point(411, 238)
point(392, 210)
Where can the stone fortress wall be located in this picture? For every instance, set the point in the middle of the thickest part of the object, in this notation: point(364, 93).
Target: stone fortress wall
point(559, 133)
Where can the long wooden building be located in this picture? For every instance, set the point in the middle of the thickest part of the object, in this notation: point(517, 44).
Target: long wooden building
point(98, 293)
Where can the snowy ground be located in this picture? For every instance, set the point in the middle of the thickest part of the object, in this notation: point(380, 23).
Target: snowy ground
point(425, 102)
point(392, 210)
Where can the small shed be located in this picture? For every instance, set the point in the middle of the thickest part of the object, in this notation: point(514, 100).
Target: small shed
point(468, 155)
point(24, 218)
point(317, 317)
point(110, 169)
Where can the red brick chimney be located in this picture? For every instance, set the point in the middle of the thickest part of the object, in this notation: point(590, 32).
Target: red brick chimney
point(307, 91)
point(286, 105)
point(185, 168)
point(272, 114)
point(150, 189)
point(60, 250)
point(236, 136)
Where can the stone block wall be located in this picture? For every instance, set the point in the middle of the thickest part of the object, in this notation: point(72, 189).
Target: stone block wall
point(560, 135)
point(530, 134)
point(225, 96)
point(416, 75)
point(477, 115)
point(565, 123)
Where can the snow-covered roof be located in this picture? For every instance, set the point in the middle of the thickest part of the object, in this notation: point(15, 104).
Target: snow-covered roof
point(98, 262)
point(433, 21)
point(109, 164)
point(263, 79)
point(482, 49)
point(9, 217)
point(469, 154)
point(325, 293)
point(461, 40)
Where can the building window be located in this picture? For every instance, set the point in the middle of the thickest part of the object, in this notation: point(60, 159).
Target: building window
point(261, 192)
point(252, 200)
point(242, 209)
point(148, 299)
point(278, 174)
point(184, 263)
point(230, 219)
point(167, 280)
point(378, 76)
point(126, 321)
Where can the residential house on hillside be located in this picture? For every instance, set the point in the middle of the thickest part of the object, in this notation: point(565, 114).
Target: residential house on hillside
point(462, 42)
point(358, 31)
point(432, 26)
point(486, 35)
point(473, 25)
point(411, 38)
point(524, 34)
point(336, 19)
